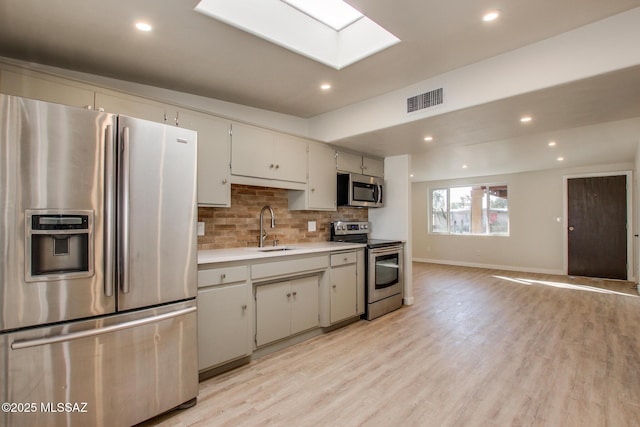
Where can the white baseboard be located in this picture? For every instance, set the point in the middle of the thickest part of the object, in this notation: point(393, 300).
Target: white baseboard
point(491, 266)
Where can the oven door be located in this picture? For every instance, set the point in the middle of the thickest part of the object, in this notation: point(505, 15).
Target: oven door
point(385, 275)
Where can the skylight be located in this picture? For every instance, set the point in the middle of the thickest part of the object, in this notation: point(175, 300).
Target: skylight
point(299, 26)
point(334, 13)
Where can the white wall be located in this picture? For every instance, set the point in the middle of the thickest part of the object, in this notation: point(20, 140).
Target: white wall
point(536, 222)
point(393, 221)
point(594, 49)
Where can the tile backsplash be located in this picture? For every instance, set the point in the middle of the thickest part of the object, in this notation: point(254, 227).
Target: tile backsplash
point(239, 225)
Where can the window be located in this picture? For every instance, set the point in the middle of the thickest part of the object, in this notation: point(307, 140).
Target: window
point(476, 209)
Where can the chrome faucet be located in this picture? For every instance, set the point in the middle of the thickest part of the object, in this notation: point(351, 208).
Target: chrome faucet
point(263, 235)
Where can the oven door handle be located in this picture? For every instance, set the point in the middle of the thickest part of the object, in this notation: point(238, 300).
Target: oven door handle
point(389, 265)
point(387, 250)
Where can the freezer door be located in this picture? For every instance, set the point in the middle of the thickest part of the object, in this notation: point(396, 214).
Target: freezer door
point(53, 164)
point(157, 223)
point(115, 371)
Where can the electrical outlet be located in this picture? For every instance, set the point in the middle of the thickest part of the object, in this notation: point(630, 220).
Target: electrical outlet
point(200, 228)
point(311, 226)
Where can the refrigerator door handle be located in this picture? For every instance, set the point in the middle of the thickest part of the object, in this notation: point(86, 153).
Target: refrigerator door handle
point(124, 212)
point(109, 211)
point(17, 345)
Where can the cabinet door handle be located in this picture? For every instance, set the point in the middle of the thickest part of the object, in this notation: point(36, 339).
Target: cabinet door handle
point(289, 295)
point(277, 166)
point(295, 293)
point(271, 166)
point(223, 276)
point(346, 259)
point(244, 307)
point(334, 286)
point(224, 181)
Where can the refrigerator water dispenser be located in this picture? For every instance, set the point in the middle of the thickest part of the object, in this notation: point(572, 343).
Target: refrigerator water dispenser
point(59, 245)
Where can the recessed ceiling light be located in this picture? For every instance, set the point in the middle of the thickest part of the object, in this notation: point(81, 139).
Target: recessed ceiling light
point(464, 166)
point(525, 119)
point(411, 176)
point(428, 138)
point(552, 144)
point(491, 15)
point(325, 86)
point(560, 159)
point(143, 26)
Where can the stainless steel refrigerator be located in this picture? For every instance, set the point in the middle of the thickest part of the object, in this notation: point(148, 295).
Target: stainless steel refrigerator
point(97, 266)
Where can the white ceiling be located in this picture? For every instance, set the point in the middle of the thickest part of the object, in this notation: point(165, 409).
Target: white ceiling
point(192, 53)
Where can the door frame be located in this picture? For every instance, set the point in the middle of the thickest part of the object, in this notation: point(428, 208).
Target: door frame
point(630, 218)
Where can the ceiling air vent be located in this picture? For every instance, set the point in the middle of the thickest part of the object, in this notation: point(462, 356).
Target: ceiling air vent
point(425, 100)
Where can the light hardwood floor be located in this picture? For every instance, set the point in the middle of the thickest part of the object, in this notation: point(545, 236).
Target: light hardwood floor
point(478, 348)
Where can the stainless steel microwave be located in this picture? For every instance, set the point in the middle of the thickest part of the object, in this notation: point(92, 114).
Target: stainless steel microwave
point(360, 191)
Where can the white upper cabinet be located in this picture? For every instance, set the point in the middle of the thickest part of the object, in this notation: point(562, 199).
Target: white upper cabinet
point(290, 155)
point(355, 163)
point(133, 106)
point(322, 177)
point(214, 188)
point(349, 162)
point(46, 88)
point(261, 153)
point(320, 193)
point(372, 167)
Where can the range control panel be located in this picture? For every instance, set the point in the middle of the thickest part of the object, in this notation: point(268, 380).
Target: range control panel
point(341, 228)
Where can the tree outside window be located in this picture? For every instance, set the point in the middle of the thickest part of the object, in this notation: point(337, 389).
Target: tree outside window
point(477, 209)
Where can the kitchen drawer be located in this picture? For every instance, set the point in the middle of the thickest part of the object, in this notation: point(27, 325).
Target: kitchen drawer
point(219, 276)
point(343, 258)
point(289, 267)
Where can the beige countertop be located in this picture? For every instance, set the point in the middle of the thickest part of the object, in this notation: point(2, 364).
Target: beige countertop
point(241, 254)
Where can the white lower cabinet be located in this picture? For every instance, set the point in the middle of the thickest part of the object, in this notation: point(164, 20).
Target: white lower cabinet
point(247, 305)
point(344, 286)
point(224, 316)
point(223, 324)
point(286, 308)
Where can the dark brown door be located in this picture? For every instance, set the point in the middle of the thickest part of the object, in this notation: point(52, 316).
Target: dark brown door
point(597, 218)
